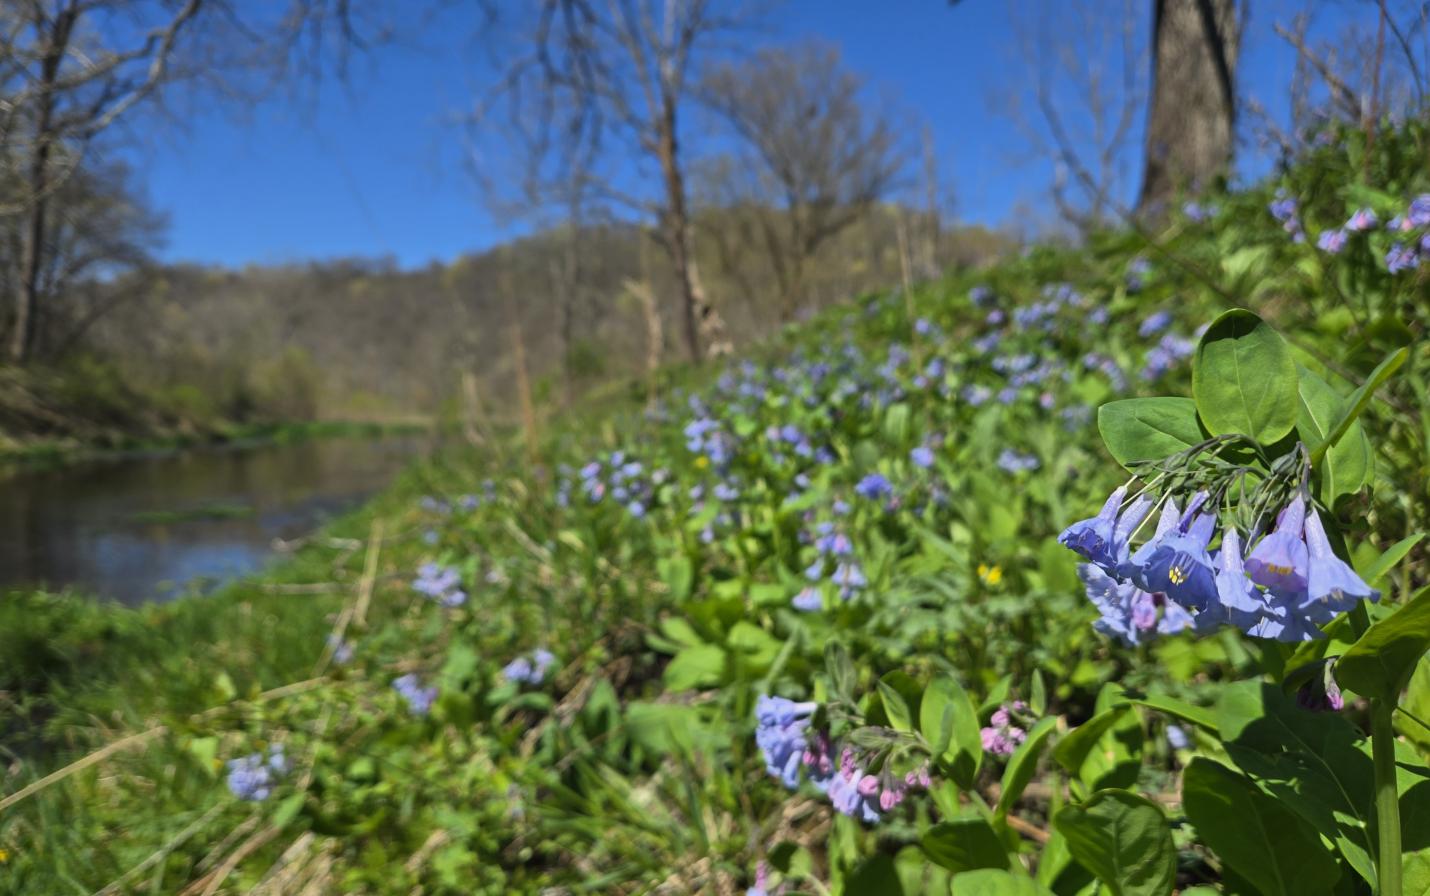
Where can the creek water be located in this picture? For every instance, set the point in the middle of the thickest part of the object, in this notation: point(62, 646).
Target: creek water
point(150, 527)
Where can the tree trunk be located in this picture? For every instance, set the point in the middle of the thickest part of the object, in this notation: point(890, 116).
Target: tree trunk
point(1191, 123)
point(27, 293)
point(698, 315)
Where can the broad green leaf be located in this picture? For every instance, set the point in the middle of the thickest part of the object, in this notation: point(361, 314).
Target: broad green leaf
point(1072, 750)
point(678, 574)
point(1144, 429)
point(1124, 839)
point(1393, 555)
point(896, 708)
point(1310, 762)
point(993, 882)
point(1379, 664)
point(963, 844)
point(1023, 764)
point(1254, 835)
point(1355, 405)
point(1350, 465)
point(875, 876)
point(946, 698)
point(288, 810)
point(1417, 704)
point(1244, 378)
point(1197, 715)
point(1415, 867)
point(699, 666)
point(1038, 699)
point(840, 670)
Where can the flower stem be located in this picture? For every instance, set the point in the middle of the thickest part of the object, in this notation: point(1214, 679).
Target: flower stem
point(1387, 801)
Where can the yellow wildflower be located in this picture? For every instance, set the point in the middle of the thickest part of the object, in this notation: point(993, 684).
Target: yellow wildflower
point(991, 575)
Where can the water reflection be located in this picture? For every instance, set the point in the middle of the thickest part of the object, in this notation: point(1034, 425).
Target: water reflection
point(146, 528)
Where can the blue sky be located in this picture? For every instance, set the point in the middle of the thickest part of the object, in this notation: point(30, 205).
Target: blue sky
point(372, 165)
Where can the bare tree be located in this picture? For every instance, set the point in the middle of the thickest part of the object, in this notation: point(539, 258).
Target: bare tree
point(71, 69)
point(1369, 69)
point(1191, 123)
point(815, 158)
point(599, 85)
point(75, 66)
point(1083, 84)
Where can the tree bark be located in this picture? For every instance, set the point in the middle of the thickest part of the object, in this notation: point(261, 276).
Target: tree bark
point(27, 295)
point(1192, 119)
point(676, 228)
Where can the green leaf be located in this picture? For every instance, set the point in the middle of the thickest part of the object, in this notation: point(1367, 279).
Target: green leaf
point(1379, 664)
point(840, 670)
point(1393, 555)
point(1143, 429)
point(1347, 467)
point(1244, 378)
point(963, 844)
point(1197, 715)
point(1023, 764)
point(1072, 750)
point(1309, 762)
point(945, 702)
point(1254, 835)
point(1355, 405)
point(699, 666)
point(896, 708)
point(993, 882)
point(1416, 871)
point(1124, 839)
point(1038, 699)
point(288, 810)
point(876, 876)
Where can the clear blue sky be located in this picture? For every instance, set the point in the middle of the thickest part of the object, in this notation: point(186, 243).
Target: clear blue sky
point(373, 165)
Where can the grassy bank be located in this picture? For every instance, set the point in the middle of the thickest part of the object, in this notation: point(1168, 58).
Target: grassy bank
point(41, 452)
point(536, 668)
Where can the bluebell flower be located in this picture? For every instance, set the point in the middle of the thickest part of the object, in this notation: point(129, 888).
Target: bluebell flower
point(1329, 580)
point(1165, 354)
point(1361, 220)
point(1092, 537)
point(1154, 323)
point(250, 778)
point(1137, 269)
point(1419, 213)
point(1011, 461)
point(1401, 258)
point(441, 583)
point(1284, 209)
point(1196, 212)
point(780, 735)
point(980, 296)
point(922, 456)
point(1243, 604)
point(1332, 241)
point(1180, 566)
point(849, 576)
point(342, 650)
point(1177, 738)
point(977, 394)
point(874, 487)
point(1278, 562)
point(419, 699)
point(1128, 613)
point(808, 600)
point(518, 670)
